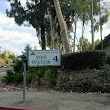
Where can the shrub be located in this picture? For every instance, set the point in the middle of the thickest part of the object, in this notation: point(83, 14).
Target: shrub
point(83, 60)
point(18, 67)
point(40, 76)
point(18, 78)
point(10, 75)
point(13, 57)
point(53, 76)
point(89, 80)
point(108, 60)
point(44, 75)
point(13, 77)
point(30, 77)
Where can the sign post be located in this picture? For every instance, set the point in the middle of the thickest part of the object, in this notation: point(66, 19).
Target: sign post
point(38, 58)
point(24, 81)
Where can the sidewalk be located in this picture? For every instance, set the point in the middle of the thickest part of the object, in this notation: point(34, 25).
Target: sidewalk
point(56, 101)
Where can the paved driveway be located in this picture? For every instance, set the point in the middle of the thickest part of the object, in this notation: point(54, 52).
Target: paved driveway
point(57, 101)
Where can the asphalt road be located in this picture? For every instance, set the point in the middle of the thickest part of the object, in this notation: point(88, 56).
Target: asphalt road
point(57, 101)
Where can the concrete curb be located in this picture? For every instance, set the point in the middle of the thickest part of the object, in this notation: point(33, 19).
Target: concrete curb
point(14, 108)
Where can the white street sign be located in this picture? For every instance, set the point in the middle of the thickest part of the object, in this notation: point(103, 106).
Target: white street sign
point(44, 58)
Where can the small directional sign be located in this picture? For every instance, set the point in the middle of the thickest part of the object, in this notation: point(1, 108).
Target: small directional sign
point(44, 58)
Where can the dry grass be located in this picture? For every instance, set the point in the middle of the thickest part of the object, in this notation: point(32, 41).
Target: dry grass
point(6, 57)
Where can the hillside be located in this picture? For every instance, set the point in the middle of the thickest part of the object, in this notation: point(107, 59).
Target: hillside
point(4, 57)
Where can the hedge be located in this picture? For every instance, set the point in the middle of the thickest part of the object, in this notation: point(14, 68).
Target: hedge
point(108, 60)
point(83, 60)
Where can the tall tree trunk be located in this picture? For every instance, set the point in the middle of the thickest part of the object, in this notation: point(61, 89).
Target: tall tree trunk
point(100, 26)
point(75, 25)
point(82, 42)
point(42, 26)
point(51, 25)
point(92, 26)
point(64, 32)
point(43, 42)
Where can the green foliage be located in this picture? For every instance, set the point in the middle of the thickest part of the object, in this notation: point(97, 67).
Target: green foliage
point(9, 76)
point(26, 49)
point(105, 67)
point(104, 15)
point(13, 57)
point(30, 77)
point(84, 44)
point(18, 67)
point(67, 11)
point(18, 78)
point(108, 60)
point(39, 76)
point(46, 72)
point(53, 75)
point(33, 13)
point(83, 60)
point(97, 42)
point(13, 77)
point(87, 80)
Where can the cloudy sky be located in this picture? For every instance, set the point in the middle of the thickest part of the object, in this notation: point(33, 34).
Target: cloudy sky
point(12, 36)
point(15, 38)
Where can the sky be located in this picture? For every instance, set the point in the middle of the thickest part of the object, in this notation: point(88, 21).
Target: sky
point(15, 38)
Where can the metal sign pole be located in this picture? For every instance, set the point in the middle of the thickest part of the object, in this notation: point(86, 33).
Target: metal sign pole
point(24, 82)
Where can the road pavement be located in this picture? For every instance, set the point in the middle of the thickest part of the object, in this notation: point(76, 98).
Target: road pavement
point(56, 100)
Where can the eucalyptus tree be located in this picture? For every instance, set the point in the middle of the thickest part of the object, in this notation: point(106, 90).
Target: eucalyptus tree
point(88, 10)
point(63, 26)
point(54, 39)
point(104, 14)
point(34, 14)
point(86, 44)
point(26, 49)
point(83, 16)
point(61, 23)
point(80, 13)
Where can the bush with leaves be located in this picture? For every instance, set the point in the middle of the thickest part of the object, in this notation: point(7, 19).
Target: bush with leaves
point(108, 60)
point(9, 78)
point(52, 77)
point(40, 76)
point(13, 57)
point(18, 67)
point(83, 60)
point(13, 77)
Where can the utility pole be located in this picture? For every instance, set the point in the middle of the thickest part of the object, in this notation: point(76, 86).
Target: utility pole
point(92, 26)
point(62, 23)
